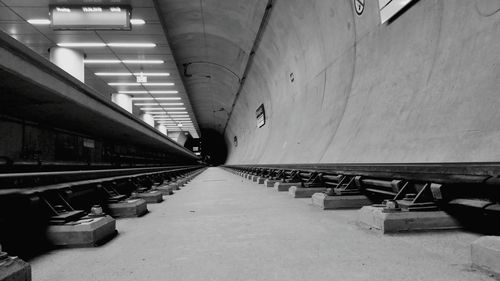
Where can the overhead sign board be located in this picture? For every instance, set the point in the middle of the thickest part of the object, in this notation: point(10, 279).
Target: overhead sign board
point(90, 17)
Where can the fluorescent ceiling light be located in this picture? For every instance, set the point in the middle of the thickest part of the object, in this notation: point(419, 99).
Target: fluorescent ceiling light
point(162, 110)
point(170, 117)
point(179, 112)
point(126, 61)
point(143, 61)
point(132, 45)
point(148, 92)
point(39, 21)
point(124, 84)
point(153, 108)
point(170, 98)
point(180, 116)
point(130, 74)
point(158, 84)
point(163, 92)
point(101, 61)
point(139, 84)
point(176, 121)
point(85, 44)
point(137, 21)
point(99, 44)
point(113, 74)
point(152, 73)
point(139, 104)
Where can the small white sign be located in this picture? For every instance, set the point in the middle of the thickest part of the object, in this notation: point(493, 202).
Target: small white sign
point(390, 8)
point(359, 6)
point(142, 79)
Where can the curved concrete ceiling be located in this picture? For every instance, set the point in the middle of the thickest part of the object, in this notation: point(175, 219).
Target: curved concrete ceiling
point(211, 41)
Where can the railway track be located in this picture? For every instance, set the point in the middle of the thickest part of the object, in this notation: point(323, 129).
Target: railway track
point(78, 208)
point(470, 192)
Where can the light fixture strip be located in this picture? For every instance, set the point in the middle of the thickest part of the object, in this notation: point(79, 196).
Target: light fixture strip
point(39, 21)
point(139, 84)
point(153, 104)
point(137, 21)
point(174, 116)
point(151, 99)
point(148, 92)
point(154, 108)
point(162, 110)
point(132, 74)
point(101, 61)
point(99, 44)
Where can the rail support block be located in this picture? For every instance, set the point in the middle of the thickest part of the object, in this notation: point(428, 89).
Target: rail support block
point(84, 232)
point(128, 208)
point(339, 202)
point(166, 189)
point(261, 180)
point(400, 221)
point(270, 183)
point(176, 186)
point(284, 186)
point(304, 192)
point(14, 269)
point(151, 197)
point(485, 253)
point(255, 178)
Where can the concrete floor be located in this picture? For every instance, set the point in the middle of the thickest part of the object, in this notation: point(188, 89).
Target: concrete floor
point(222, 227)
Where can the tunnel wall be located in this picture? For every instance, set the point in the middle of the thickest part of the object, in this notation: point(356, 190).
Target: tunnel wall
point(422, 88)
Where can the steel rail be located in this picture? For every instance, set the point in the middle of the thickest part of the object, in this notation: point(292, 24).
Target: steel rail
point(443, 173)
point(30, 180)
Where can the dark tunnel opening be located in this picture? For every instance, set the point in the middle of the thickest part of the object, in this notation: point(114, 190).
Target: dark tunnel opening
point(213, 147)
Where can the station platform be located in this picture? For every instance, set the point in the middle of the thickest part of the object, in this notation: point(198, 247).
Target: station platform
point(223, 227)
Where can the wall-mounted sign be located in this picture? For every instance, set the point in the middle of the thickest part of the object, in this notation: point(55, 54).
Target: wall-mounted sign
point(359, 6)
point(235, 141)
point(261, 116)
point(90, 17)
point(390, 8)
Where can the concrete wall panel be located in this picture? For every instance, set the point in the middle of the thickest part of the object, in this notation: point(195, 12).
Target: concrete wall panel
point(423, 88)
